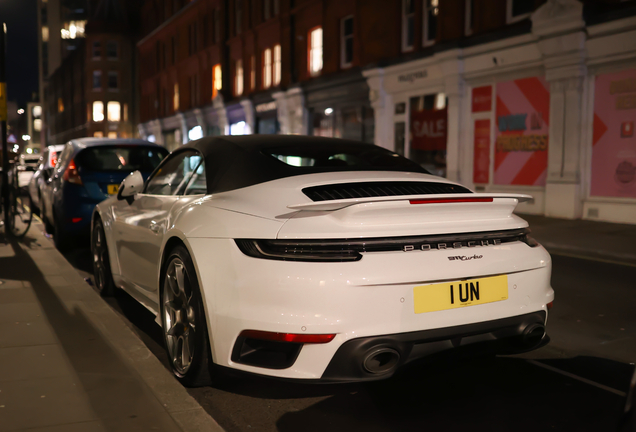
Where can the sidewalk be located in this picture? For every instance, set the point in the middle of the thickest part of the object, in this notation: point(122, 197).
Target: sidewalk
point(601, 241)
point(69, 363)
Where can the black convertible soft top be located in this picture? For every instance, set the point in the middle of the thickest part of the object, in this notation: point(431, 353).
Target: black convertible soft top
point(234, 162)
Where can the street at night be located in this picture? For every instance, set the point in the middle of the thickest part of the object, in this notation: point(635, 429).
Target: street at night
point(576, 383)
point(317, 215)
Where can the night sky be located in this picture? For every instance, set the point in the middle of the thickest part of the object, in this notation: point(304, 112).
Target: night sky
point(22, 48)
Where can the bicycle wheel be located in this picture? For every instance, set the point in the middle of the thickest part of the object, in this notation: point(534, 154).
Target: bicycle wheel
point(20, 211)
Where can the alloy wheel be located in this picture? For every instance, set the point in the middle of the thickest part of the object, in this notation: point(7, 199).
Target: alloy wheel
point(179, 316)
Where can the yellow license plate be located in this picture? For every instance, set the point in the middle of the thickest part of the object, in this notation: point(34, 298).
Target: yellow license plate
point(451, 295)
point(113, 189)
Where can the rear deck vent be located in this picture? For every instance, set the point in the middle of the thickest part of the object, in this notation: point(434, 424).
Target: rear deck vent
point(378, 189)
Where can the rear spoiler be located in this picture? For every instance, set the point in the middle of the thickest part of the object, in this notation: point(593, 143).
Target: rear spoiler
point(414, 199)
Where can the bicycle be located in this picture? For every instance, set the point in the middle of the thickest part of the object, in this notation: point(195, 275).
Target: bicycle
point(20, 214)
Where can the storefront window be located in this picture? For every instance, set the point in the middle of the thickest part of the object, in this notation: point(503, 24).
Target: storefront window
point(239, 128)
point(267, 126)
point(195, 133)
point(355, 123)
point(521, 146)
point(427, 137)
point(323, 123)
point(614, 140)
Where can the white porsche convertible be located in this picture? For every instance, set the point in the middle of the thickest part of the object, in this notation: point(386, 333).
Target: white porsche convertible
point(319, 259)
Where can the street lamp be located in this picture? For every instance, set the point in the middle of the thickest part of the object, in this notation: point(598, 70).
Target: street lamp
point(26, 137)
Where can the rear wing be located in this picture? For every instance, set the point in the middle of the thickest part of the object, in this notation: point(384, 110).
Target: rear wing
point(413, 199)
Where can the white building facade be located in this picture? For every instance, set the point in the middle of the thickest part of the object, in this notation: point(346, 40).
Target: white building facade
point(550, 113)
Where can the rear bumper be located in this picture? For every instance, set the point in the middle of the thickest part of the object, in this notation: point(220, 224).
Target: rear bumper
point(502, 336)
point(358, 301)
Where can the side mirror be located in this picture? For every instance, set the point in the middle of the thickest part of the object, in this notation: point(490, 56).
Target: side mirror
point(132, 184)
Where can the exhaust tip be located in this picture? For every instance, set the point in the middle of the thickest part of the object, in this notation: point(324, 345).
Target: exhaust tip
point(533, 334)
point(381, 360)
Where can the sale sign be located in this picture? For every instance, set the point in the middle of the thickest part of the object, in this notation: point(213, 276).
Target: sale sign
point(521, 148)
point(428, 129)
point(481, 156)
point(613, 139)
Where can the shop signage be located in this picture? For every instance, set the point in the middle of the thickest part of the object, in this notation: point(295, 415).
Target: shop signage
point(428, 129)
point(521, 148)
point(482, 99)
point(412, 77)
point(481, 157)
point(613, 140)
point(264, 107)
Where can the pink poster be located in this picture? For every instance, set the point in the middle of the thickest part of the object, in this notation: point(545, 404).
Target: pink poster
point(521, 149)
point(481, 158)
point(614, 141)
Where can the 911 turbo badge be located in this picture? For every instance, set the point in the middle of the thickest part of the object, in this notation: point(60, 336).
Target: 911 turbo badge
point(464, 257)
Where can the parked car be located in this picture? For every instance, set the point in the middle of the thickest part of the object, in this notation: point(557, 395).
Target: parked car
point(88, 171)
point(43, 173)
point(319, 259)
point(27, 165)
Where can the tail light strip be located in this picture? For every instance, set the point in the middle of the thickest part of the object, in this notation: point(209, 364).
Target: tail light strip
point(450, 200)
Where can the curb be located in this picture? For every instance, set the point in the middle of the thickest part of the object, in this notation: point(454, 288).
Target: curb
point(173, 397)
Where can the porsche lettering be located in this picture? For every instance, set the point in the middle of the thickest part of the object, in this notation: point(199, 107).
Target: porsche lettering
point(454, 245)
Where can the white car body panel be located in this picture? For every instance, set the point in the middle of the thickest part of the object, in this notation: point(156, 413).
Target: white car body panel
point(372, 296)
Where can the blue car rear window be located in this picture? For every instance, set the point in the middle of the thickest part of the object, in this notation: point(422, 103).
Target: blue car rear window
point(120, 158)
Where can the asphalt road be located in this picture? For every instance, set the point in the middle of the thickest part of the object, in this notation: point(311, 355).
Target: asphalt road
point(576, 383)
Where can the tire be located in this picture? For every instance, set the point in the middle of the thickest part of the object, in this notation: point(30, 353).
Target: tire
point(48, 226)
point(101, 261)
point(183, 321)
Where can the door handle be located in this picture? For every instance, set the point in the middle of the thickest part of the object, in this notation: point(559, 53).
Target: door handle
point(155, 227)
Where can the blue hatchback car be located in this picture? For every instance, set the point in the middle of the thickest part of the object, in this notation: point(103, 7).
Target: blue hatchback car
point(87, 172)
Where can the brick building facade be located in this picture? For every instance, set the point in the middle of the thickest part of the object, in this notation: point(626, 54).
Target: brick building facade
point(93, 91)
point(502, 95)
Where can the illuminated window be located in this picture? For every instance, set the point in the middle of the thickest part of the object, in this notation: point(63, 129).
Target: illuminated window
point(253, 72)
point(217, 80)
point(98, 111)
point(113, 110)
point(37, 125)
point(125, 112)
point(97, 80)
point(112, 135)
point(37, 111)
point(267, 68)
point(73, 30)
point(315, 51)
point(98, 134)
point(277, 65)
point(238, 78)
point(45, 33)
point(60, 105)
point(429, 30)
point(175, 97)
point(195, 133)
